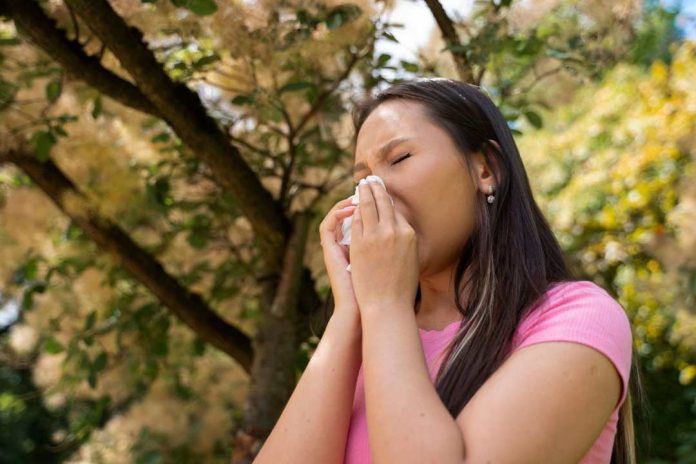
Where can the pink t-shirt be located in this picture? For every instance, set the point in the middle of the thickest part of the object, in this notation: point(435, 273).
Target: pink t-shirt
point(580, 312)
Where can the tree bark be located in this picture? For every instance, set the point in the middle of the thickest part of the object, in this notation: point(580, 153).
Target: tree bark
point(188, 306)
point(31, 20)
point(449, 34)
point(183, 110)
point(43, 30)
point(289, 300)
point(275, 345)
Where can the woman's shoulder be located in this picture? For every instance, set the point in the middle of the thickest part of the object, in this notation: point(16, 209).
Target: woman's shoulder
point(581, 299)
point(580, 312)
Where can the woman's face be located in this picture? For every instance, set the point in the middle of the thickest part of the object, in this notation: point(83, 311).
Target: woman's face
point(431, 187)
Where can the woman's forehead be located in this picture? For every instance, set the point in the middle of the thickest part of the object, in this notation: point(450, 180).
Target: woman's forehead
point(391, 119)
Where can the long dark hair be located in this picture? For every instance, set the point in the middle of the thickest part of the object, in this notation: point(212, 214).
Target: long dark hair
point(512, 257)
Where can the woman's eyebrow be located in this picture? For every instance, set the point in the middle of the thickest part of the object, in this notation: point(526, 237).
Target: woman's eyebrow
point(382, 152)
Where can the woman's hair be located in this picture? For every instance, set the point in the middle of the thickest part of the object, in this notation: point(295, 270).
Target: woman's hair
point(512, 257)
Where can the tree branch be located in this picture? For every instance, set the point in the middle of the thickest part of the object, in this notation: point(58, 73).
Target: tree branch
point(449, 34)
point(185, 113)
point(321, 99)
point(273, 381)
point(187, 306)
point(43, 31)
point(182, 109)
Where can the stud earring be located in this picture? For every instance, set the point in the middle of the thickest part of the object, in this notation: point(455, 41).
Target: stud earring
point(490, 197)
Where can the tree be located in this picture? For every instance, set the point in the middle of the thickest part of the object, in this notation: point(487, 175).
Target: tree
point(190, 148)
point(615, 174)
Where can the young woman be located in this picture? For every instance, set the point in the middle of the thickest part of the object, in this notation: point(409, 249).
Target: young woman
point(434, 353)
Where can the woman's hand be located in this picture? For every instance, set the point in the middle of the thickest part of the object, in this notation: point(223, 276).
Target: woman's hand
point(336, 257)
point(383, 253)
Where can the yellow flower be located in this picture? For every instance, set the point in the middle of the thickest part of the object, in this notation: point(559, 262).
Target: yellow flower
point(686, 375)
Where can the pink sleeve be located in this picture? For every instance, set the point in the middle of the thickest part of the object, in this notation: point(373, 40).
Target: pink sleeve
point(582, 312)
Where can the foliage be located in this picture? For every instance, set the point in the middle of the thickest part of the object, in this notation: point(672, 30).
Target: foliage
point(515, 47)
point(26, 427)
point(613, 174)
point(130, 382)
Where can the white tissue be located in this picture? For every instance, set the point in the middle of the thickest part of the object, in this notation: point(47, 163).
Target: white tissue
point(348, 221)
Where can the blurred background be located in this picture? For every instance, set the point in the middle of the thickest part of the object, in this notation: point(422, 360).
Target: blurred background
point(164, 166)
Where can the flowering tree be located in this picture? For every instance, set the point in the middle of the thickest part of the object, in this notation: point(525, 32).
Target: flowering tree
point(166, 165)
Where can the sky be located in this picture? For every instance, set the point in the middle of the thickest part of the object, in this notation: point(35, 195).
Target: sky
point(419, 23)
point(687, 19)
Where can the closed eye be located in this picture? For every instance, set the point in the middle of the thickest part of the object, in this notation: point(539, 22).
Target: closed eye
point(402, 158)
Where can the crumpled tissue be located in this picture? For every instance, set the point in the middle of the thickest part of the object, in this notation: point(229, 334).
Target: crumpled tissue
point(348, 221)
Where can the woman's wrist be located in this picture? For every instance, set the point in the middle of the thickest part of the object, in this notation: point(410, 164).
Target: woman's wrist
point(347, 320)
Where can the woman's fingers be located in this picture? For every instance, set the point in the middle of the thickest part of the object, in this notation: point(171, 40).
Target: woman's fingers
point(345, 210)
point(327, 228)
point(341, 216)
point(368, 208)
point(385, 209)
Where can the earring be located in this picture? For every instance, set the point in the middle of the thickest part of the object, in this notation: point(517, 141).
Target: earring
point(490, 197)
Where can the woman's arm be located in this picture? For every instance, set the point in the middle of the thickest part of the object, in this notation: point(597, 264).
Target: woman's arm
point(548, 402)
point(313, 426)
point(406, 419)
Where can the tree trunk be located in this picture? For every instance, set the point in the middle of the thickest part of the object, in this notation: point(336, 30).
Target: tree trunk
point(188, 306)
point(276, 343)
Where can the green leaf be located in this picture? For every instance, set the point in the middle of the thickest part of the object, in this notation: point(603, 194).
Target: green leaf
point(97, 107)
point(383, 59)
point(534, 119)
point(27, 271)
point(7, 93)
point(150, 122)
point(53, 346)
point(91, 319)
point(198, 239)
point(198, 347)
point(100, 362)
point(160, 345)
point(161, 137)
point(43, 141)
point(63, 118)
point(53, 90)
point(159, 191)
point(558, 54)
point(28, 298)
point(60, 132)
point(408, 66)
point(389, 36)
point(294, 86)
point(92, 378)
point(456, 48)
point(9, 41)
point(150, 457)
point(341, 15)
point(200, 7)
point(205, 61)
point(240, 100)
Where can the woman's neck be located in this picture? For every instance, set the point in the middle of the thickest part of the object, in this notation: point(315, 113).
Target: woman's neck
point(436, 307)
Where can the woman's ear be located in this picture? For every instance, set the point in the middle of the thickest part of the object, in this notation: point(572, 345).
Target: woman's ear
point(494, 143)
point(487, 159)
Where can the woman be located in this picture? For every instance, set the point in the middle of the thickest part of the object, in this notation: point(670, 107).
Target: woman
point(434, 351)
